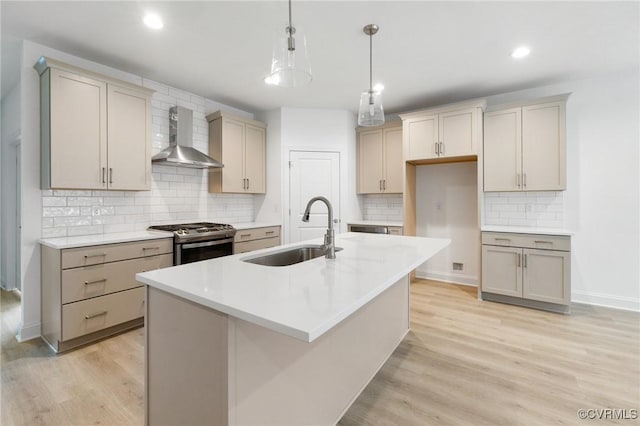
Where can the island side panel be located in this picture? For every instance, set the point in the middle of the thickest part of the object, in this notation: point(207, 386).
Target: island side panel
point(278, 380)
point(186, 362)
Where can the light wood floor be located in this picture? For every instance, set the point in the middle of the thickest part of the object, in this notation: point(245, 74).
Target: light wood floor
point(464, 362)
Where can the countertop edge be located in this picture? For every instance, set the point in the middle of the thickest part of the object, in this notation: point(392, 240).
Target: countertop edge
point(100, 239)
point(526, 230)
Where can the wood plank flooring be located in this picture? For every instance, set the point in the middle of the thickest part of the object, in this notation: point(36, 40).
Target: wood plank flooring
point(464, 362)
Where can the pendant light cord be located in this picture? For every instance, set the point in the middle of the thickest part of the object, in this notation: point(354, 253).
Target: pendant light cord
point(370, 68)
point(290, 30)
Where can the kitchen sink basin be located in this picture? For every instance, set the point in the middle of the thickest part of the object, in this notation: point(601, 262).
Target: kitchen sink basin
point(291, 256)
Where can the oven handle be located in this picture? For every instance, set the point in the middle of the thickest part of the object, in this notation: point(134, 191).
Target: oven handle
point(206, 243)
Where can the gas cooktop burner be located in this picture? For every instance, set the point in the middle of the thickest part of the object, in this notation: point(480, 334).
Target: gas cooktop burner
point(198, 230)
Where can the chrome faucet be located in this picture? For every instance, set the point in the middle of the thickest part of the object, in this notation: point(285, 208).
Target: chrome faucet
point(329, 237)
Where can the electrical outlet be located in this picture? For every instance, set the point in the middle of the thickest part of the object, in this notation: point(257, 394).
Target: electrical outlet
point(457, 266)
point(96, 211)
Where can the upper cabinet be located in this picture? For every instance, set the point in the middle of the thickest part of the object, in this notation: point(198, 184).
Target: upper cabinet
point(525, 148)
point(443, 134)
point(95, 131)
point(379, 163)
point(240, 144)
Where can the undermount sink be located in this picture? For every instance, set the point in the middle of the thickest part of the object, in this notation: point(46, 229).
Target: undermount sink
point(291, 256)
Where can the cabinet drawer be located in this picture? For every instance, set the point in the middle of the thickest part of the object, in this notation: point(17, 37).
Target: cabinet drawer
point(83, 256)
point(395, 230)
point(104, 278)
point(95, 314)
point(257, 233)
point(246, 246)
point(542, 242)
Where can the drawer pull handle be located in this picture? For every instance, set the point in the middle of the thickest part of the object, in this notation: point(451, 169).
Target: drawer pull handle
point(524, 261)
point(519, 256)
point(543, 242)
point(245, 235)
point(95, 315)
point(269, 232)
point(95, 281)
point(88, 256)
point(502, 239)
point(150, 248)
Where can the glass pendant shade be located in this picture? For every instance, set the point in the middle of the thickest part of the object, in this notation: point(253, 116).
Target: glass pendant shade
point(290, 67)
point(370, 112)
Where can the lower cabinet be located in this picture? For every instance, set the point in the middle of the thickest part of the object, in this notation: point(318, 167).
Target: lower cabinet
point(91, 292)
point(256, 238)
point(527, 267)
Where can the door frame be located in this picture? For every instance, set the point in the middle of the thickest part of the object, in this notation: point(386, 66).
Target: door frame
point(286, 193)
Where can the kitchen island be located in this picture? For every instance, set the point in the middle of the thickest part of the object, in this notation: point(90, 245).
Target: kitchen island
point(232, 342)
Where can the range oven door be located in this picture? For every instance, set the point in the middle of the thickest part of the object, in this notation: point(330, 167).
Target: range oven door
point(202, 250)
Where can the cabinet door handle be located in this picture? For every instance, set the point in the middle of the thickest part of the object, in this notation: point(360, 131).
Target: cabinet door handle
point(518, 179)
point(524, 263)
point(437, 149)
point(524, 180)
point(248, 183)
point(441, 148)
point(384, 184)
point(519, 256)
point(97, 314)
point(95, 281)
point(88, 256)
point(380, 184)
point(104, 175)
point(110, 175)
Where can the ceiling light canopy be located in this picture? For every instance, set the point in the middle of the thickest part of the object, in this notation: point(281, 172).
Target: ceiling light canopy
point(153, 21)
point(520, 52)
point(290, 66)
point(371, 112)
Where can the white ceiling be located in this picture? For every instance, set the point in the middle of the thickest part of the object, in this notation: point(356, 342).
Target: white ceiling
point(425, 53)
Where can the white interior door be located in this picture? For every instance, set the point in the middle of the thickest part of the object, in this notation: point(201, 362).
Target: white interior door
point(312, 173)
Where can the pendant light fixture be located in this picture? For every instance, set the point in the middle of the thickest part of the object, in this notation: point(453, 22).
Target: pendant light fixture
point(290, 65)
point(370, 112)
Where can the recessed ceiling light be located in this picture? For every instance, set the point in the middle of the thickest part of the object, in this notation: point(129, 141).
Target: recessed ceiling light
point(520, 52)
point(153, 21)
point(378, 87)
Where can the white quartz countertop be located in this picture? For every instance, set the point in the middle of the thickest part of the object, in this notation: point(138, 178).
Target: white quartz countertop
point(99, 239)
point(375, 223)
point(303, 300)
point(526, 230)
point(251, 225)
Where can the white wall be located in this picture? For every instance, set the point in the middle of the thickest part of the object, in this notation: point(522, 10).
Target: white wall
point(314, 130)
point(176, 195)
point(446, 207)
point(9, 148)
point(268, 207)
point(602, 200)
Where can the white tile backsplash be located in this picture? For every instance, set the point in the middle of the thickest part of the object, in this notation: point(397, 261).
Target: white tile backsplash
point(387, 207)
point(177, 194)
point(529, 209)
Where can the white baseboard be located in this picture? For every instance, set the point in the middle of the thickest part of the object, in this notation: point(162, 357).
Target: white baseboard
point(28, 332)
point(607, 300)
point(448, 278)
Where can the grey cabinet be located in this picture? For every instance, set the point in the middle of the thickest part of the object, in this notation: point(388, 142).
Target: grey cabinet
point(527, 267)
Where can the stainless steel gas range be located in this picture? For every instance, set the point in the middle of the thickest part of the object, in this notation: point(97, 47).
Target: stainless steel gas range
point(199, 241)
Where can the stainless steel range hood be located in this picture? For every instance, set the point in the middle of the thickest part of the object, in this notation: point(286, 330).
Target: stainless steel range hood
point(181, 151)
